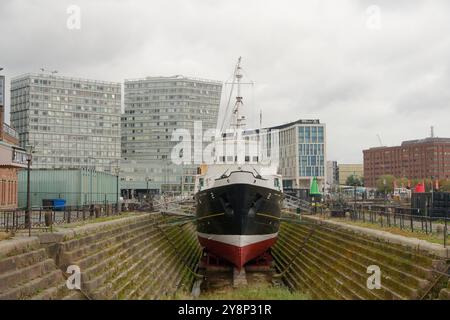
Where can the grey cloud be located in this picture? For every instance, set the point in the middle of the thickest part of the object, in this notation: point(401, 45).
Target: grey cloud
point(313, 59)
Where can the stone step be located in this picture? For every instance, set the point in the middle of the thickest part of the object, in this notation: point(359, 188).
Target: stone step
point(94, 236)
point(341, 284)
point(375, 253)
point(67, 256)
point(160, 267)
point(348, 276)
point(140, 259)
point(396, 250)
point(444, 294)
point(33, 287)
point(292, 280)
point(395, 280)
point(22, 260)
point(354, 270)
point(48, 294)
point(162, 282)
point(160, 248)
point(133, 289)
point(15, 278)
point(95, 276)
point(90, 261)
point(305, 278)
point(173, 277)
point(322, 273)
point(18, 246)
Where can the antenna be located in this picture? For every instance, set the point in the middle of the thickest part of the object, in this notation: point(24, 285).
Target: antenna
point(432, 132)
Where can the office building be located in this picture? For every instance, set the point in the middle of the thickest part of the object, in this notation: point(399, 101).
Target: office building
point(69, 122)
point(154, 108)
point(332, 174)
point(415, 159)
point(302, 155)
point(350, 169)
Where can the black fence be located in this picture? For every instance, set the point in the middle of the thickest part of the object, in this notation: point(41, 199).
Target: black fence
point(399, 217)
point(46, 217)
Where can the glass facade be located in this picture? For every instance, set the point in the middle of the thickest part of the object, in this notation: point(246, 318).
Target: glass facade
point(311, 149)
point(71, 123)
point(154, 108)
point(302, 153)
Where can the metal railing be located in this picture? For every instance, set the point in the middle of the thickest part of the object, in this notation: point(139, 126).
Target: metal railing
point(396, 217)
point(292, 202)
point(45, 218)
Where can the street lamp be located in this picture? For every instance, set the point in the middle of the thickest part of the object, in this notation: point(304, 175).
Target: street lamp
point(29, 158)
point(148, 179)
point(117, 171)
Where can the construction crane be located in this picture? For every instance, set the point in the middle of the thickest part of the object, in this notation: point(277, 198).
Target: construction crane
point(379, 140)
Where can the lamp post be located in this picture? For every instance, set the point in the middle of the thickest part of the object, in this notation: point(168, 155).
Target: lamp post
point(28, 212)
point(148, 179)
point(117, 169)
point(432, 196)
point(91, 173)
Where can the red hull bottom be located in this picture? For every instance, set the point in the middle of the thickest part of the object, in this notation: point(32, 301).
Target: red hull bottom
point(237, 255)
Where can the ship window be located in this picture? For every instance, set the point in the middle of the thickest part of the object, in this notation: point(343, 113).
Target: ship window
point(202, 182)
point(255, 159)
point(230, 158)
point(222, 159)
point(276, 182)
point(247, 159)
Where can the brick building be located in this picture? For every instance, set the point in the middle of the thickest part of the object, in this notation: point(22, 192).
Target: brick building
point(12, 158)
point(414, 159)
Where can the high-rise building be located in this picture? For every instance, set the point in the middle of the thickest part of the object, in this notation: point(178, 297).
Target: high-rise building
point(416, 159)
point(350, 169)
point(302, 153)
point(154, 108)
point(332, 174)
point(2, 104)
point(70, 123)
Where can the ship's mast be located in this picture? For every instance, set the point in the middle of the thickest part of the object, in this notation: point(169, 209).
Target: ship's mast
point(238, 120)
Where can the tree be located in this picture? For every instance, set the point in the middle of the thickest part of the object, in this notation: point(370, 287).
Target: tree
point(354, 181)
point(385, 183)
point(444, 185)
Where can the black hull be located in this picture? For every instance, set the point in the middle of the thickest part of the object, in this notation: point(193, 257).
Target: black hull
point(238, 209)
point(238, 222)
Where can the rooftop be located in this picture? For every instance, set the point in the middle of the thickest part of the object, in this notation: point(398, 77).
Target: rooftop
point(300, 121)
point(427, 140)
point(175, 77)
point(416, 141)
point(58, 77)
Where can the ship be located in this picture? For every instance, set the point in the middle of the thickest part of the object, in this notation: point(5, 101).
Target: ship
point(238, 196)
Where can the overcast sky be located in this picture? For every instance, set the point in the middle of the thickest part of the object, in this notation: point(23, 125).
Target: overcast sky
point(362, 67)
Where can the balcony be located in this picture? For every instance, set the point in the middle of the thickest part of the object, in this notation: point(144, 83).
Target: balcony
point(11, 156)
point(10, 131)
